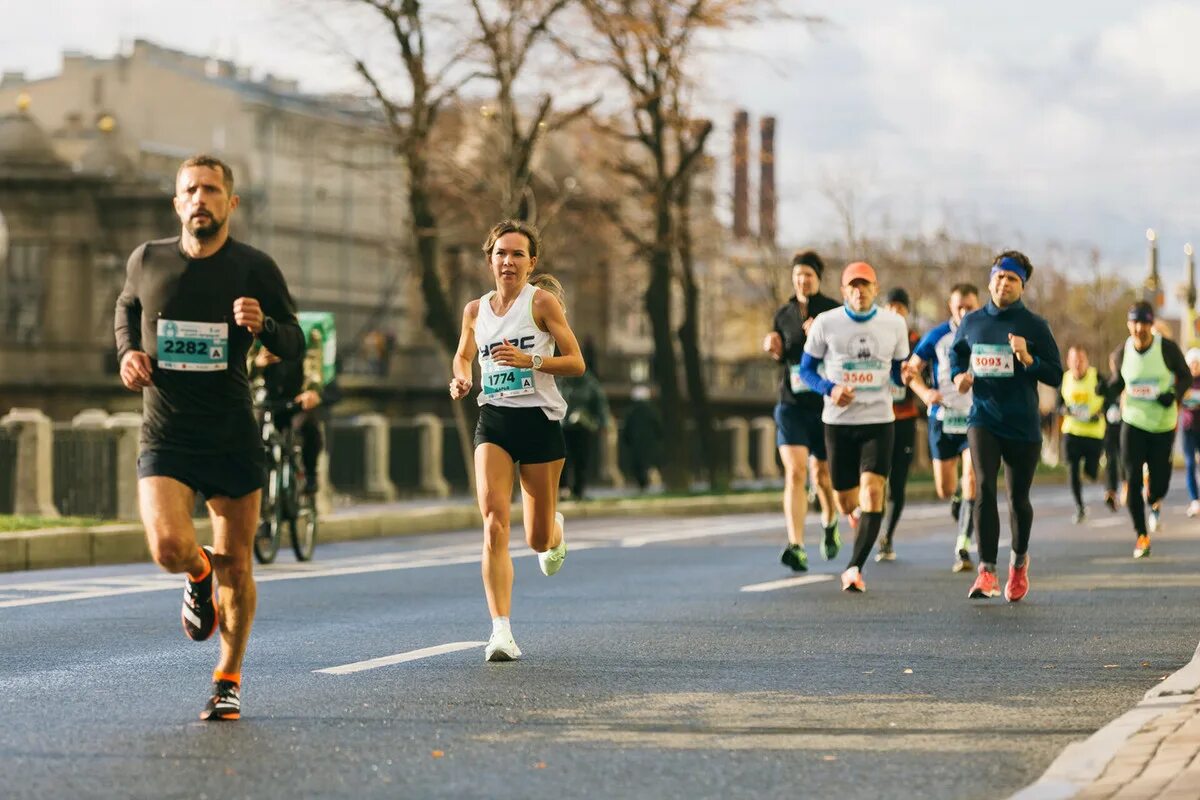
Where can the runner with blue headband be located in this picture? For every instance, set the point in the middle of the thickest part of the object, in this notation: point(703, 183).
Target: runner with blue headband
point(1000, 353)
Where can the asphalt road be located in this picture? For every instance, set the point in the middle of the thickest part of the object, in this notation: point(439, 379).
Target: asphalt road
point(648, 671)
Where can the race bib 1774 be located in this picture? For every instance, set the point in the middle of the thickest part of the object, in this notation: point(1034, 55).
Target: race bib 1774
point(193, 346)
point(500, 381)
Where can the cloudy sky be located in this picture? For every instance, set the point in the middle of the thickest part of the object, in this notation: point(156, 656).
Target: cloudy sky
point(1027, 123)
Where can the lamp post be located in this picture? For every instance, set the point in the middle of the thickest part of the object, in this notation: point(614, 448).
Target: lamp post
point(1152, 286)
point(1190, 334)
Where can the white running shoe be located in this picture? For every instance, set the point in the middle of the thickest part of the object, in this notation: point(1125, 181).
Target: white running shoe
point(1193, 508)
point(551, 561)
point(501, 647)
point(1153, 522)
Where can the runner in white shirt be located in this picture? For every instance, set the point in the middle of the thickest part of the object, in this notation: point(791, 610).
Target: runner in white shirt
point(948, 410)
point(513, 332)
point(862, 347)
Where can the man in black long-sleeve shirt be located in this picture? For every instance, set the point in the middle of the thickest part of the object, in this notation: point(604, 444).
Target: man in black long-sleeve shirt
point(800, 434)
point(190, 309)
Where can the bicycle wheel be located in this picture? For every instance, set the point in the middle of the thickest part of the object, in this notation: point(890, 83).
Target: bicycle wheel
point(266, 538)
point(304, 528)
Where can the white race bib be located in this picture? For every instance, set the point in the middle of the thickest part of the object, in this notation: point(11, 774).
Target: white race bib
point(193, 346)
point(899, 393)
point(501, 381)
point(954, 422)
point(867, 375)
point(795, 381)
point(1146, 389)
point(992, 361)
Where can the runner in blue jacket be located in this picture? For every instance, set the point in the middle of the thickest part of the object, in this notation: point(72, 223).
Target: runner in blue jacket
point(1000, 353)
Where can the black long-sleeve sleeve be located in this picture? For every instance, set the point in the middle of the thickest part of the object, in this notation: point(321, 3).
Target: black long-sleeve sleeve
point(127, 324)
point(1175, 361)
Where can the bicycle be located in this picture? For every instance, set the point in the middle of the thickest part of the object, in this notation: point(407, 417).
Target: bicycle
point(283, 503)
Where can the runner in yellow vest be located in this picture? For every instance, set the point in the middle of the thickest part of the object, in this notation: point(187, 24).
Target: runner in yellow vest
point(1153, 375)
point(1082, 423)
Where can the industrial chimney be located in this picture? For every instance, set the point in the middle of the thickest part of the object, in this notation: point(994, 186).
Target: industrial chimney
point(766, 182)
point(741, 175)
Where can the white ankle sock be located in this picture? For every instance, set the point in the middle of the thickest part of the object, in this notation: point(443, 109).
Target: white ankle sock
point(500, 624)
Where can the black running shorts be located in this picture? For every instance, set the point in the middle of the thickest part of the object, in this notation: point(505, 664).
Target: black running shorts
point(526, 434)
point(231, 475)
point(855, 449)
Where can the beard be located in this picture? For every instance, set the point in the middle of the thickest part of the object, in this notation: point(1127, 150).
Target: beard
point(204, 227)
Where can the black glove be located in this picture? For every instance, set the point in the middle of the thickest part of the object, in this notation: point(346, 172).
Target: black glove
point(1166, 399)
point(1094, 418)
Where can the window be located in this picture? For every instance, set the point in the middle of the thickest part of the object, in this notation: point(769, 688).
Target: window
point(22, 286)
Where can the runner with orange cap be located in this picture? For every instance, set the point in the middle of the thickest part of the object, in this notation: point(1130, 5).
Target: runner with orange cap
point(861, 347)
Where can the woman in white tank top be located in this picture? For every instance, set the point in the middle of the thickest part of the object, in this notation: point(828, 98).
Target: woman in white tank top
point(513, 332)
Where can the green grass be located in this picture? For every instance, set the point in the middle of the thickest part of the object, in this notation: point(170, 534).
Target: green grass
point(9, 522)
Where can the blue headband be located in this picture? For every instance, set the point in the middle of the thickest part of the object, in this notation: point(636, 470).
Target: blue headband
point(1141, 314)
point(1010, 264)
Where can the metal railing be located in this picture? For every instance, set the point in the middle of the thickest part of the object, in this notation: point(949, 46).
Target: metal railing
point(85, 471)
point(8, 472)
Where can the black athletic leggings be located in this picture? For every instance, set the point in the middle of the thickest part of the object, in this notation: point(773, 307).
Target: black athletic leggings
point(1153, 449)
point(1082, 451)
point(902, 457)
point(1112, 456)
point(1020, 461)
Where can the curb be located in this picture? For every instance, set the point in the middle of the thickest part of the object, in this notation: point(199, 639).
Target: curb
point(1081, 763)
point(125, 543)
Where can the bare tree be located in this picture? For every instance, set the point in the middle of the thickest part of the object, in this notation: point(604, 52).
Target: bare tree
point(507, 39)
point(647, 45)
point(412, 125)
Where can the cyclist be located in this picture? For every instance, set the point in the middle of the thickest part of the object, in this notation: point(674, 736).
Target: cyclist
point(514, 331)
point(190, 308)
point(1000, 353)
point(301, 382)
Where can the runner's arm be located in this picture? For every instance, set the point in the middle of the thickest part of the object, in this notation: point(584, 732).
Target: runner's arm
point(460, 366)
point(127, 322)
point(1173, 357)
point(1117, 384)
point(808, 372)
point(548, 314)
point(1047, 364)
point(287, 338)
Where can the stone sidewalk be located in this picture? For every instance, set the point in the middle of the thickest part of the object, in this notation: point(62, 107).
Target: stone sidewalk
point(1151, 751)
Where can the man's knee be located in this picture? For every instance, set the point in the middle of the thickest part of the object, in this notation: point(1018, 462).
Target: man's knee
point(172, 554)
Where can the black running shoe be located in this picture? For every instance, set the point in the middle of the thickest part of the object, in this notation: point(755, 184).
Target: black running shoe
point(200, 603)
point(795, 557)
point(1110, 500)
point(956, 504)
point(225, 703)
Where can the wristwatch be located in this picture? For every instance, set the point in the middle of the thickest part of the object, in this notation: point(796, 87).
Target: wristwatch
point(537, 361)
point(269, 324)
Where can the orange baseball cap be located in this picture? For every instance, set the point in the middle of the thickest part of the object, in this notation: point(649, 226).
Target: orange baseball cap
point(859, 270)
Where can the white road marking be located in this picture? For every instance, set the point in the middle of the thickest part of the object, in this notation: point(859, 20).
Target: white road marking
point(697, 533)
point(400, 658)
point(1111, 522)
point(770, 586)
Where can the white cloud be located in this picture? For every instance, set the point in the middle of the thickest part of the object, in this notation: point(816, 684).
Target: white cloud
point(1159, 46)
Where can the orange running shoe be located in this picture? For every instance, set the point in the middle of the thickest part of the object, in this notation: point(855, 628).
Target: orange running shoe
point(986, 585)
point(1018, 582)
point(1142, 548)
point(852, 581)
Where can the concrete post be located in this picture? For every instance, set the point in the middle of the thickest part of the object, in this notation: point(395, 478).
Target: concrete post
point(764, 429)
point(377, 452)
point(324, 497)
point(34, 484)
point(129, 426)
point(739, 448)
point(610, 452)
point(429, 455)
point(90, 419)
